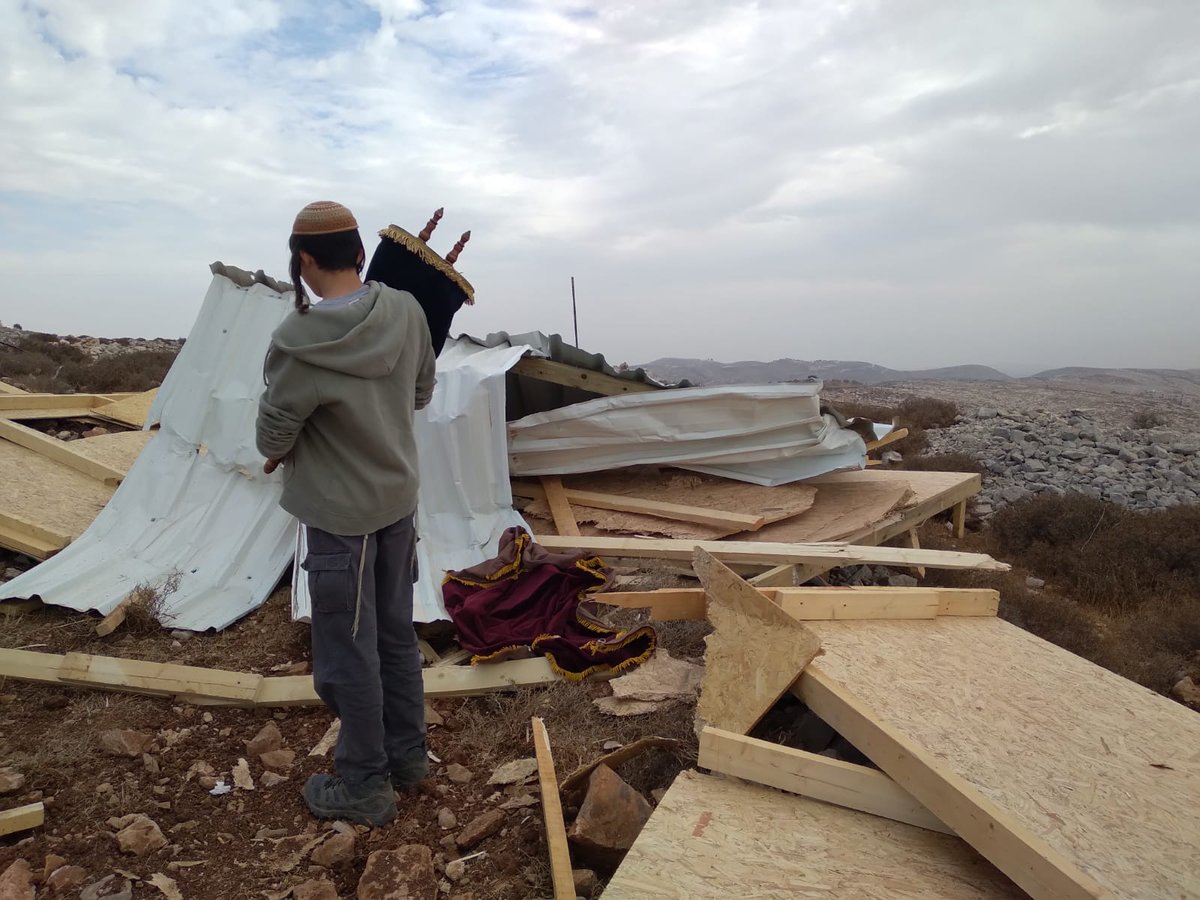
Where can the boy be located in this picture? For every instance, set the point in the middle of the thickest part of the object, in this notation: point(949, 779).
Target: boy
point(344, 377)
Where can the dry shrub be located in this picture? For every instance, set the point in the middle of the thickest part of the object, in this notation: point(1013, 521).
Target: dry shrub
point(146, 606)
point(927, 412)
point(943, 462)
point(1156, 646)
point(41, 362)
point(1148, 418)
point(917, 414)
point(1105, 555)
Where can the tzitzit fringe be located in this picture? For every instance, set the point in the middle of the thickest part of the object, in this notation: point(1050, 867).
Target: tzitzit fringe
point(423, 250)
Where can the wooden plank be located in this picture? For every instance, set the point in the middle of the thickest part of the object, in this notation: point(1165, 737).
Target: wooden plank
point(836, 554)
point(454, 657)
point(114, 619)
point(22, 818)
point(701, 515)
point(755, 653)
point(30, 538)
point(779, 576)
point(839, 510)
point(117, 451)
point(570, 376)
point(960, 519)
point(913, 540)
point(6, 388)
point(896, 434)
point(950, 601)
point(667, 604)
point(59, 451)
point(1073, 780)
point(560, 507)
point(131, 410)
point(19, 402)
point(552, 814)
point(715, 838)
point(158, 678)
point(29, 415)
point(809, 775)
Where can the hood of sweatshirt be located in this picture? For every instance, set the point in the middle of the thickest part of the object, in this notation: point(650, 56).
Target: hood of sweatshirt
point(364, 338)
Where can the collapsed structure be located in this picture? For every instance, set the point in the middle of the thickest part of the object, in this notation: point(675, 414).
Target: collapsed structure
point(1068, 780)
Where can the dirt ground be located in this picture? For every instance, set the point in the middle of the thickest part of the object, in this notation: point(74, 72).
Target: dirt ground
point(243, 844)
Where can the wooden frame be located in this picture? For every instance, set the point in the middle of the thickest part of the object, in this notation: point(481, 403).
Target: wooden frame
point(769, 554)
point(797, 772)
point(584, 379)
point(59, 451)
point(621, 503)
point(556, 830)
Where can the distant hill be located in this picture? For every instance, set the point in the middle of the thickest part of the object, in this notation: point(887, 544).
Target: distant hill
point(708, 371)
point(1186, 380)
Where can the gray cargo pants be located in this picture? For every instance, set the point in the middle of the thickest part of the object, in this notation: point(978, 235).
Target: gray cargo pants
point(366, 663)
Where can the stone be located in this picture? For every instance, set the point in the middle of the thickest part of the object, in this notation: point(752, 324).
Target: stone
point(64, 878)
point(272, 779)
point(514, 772)
point(166, 886)
point(1188, 691)
point(432, 717)
point(122, 742)
point(986, 412)
point(112, 887)
point(585, 882)
point(901, 581)
point(278, 760)
point(480, 829)
point(612, 814)
point(459, 774)
point(315, 889)
point(1034, 583)
point(11, 780)
point(446, 818)
point(405, 873)
point(138, 834)
point(16, 882)
point(336, 851)
point(456, 870)
point(241, 776)
point(267, 739)
point(150, 764)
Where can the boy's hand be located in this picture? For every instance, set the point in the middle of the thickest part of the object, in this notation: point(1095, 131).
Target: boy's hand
point(271, 465)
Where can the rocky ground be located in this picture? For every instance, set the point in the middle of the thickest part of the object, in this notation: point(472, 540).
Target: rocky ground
point(97, 348)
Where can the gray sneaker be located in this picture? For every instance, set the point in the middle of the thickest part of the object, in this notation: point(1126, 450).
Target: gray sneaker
point(371, 803)
point(409, 773)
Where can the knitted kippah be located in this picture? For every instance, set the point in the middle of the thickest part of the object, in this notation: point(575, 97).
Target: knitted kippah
point(324, 217)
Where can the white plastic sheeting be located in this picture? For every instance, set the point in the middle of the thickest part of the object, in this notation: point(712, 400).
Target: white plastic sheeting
point(465, 499)
point(195, 504)
point(765, 434)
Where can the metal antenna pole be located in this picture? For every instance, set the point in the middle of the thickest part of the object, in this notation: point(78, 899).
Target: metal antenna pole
point(574, 311)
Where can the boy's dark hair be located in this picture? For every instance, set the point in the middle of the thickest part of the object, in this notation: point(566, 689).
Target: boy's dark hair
point(339, 250)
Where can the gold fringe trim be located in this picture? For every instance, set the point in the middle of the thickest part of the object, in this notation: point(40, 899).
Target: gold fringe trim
point(429, 257)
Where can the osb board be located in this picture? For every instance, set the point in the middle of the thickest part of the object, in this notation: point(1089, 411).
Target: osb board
point(1106, 773)
point(47, 493)
point(755, 653)
point(932, 492)
point(115, 450)
point(720, 838)
point(840, 510)
point(687, 488)
point(131, 411)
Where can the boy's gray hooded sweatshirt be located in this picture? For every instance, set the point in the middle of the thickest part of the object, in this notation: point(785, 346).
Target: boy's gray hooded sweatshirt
point(342, 385)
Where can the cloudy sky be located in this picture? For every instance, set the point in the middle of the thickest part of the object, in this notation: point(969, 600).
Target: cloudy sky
point(910, 183)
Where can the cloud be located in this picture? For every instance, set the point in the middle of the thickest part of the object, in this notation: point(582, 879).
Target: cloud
point(917, 184)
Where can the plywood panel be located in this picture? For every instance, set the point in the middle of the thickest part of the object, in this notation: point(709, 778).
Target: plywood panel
point(47, 493)
point(840, 510)
point(130, 411)
point(722, 838)
point(1091, 771)
point(118, 451)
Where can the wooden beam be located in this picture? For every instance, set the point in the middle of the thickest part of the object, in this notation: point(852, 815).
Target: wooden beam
point(30, 538)
point(991, 830)
point(114, 619)
point(819, 604)
point(770, 554)
point(59, 451)
point(913, 540)
point(454, 657)
point(560, 507)
point(960, 519)
point(677, 512)
point(577, 780)
point(896, 434)
point(6, 388)
point(158, 678)
point(584, 379)
point(797, 772)
point(21, 819)
point(11, 402)
point(780, 576)
point(552, 813)
point(75, 412)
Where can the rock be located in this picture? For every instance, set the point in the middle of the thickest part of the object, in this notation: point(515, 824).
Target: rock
point(456, 870)
point(585, 882)
point(315, 889)
point(53, 861)
point(241, 776)
point(150, 764)
point(166, 885)
point(113, 887)
point(480, 829)
point(521, 801)
point(337, 851)
point(432, 717)
point(612, 814)
point(11, 780)
point(16, 882)
point(446, 819)
point(459, 774)
point(514, 772)
point(1188, 691)
point(272, 779)
point(1035, 584)
point(278, 760)
point(901, 581)
point(267, 739)
point(138, 834)
point(122, 742)
point(64, 878)
point(405, 873)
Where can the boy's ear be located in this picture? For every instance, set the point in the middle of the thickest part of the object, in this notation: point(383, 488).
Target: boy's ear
point(307, 258)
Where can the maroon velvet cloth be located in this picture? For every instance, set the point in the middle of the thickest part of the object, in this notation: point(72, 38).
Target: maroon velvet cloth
point(528, 599)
